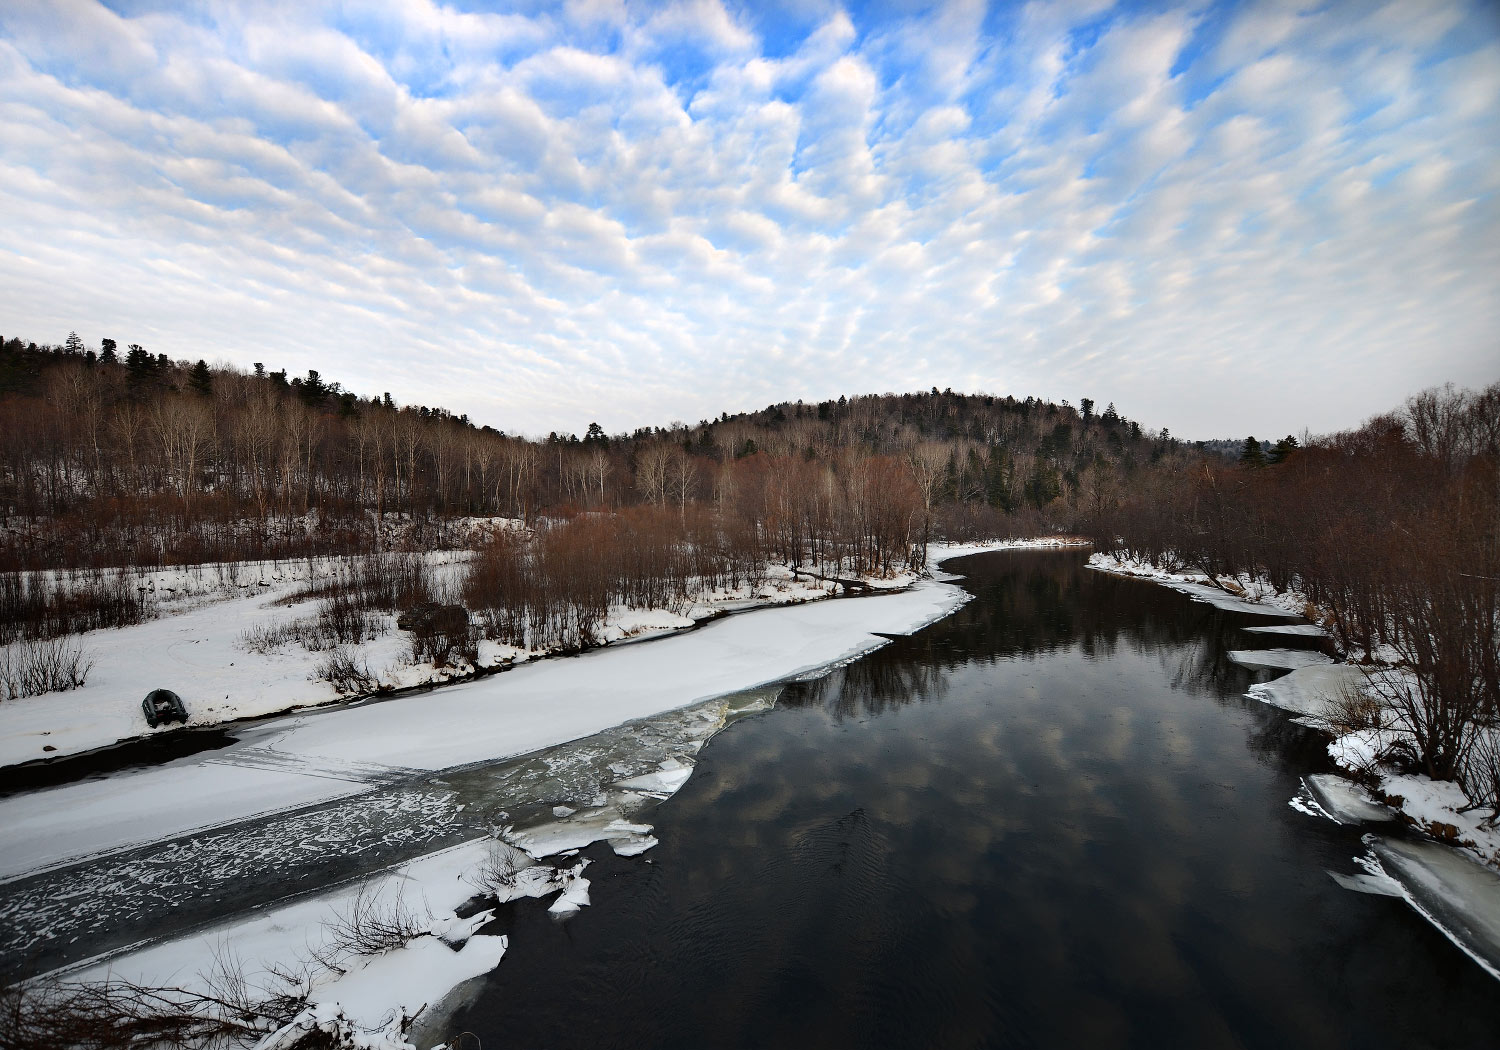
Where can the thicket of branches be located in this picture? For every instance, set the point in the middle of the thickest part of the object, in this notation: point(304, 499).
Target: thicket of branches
point(1393, 528)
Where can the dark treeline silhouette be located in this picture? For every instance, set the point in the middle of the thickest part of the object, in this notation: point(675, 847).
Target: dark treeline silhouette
point(1393, 529)
point(115, 457)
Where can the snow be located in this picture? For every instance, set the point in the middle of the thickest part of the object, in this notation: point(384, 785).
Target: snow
point(1344, 801)
point(544, 703)
point(1300, 630)
point(198, 649)
point(315, 756)
point(1308, 690)
point(374, 994)
point(1278, 659)
point(1230, 593)
point(307, 758)
point(45, 828)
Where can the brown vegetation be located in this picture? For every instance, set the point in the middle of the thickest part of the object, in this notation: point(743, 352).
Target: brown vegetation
point(1392, 530)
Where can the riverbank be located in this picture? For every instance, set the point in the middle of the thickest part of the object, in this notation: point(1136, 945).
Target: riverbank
point(1453, 878)
point(516, 713)
point(220, 640)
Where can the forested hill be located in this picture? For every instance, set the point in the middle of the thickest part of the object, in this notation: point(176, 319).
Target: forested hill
point(129, 457)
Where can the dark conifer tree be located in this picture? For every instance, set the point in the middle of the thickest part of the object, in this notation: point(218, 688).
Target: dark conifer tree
point(200, 379)
point(1283, 448)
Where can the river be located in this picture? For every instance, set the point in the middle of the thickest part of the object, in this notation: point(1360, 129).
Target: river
point(1049, 820)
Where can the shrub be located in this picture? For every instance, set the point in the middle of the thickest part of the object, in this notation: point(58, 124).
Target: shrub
point(345, 673)
point(36, 666)
point(48, 605)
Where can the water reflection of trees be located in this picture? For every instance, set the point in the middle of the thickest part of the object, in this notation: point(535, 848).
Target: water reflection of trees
point(1030, 603)
point(880, 682)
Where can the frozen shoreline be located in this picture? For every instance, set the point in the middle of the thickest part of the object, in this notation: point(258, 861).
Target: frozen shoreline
point(543, 704)
point(1451, 877)
point(197, 648)
point(319, 755)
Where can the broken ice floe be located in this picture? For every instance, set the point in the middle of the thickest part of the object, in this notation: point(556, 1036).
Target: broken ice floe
point(1300, 630)
point(1278, 659)
point(1344, 801)
point(1447, 887)
point(1308, 690)
point(1373, 880)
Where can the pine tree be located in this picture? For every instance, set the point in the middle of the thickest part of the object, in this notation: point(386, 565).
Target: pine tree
point(1251, 455)
point(313, 390)
point(1283, 449)
point(200, 379)
point(140, 367)
point(107, 353)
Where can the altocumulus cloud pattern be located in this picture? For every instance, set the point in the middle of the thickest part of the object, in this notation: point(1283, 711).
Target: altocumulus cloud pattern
point(1221, 215)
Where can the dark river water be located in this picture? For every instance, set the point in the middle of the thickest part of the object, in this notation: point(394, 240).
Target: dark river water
point(1050, 820)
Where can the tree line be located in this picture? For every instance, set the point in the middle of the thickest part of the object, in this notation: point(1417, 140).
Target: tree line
point(112, 458)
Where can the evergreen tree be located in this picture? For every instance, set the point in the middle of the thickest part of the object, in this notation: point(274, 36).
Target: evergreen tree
point(312, 389)
point(1251, 455)
point(200, 379)
point(108, 354)
point(1283, 449)
point(74, 345)
point(1111, 418)
point(140, 367)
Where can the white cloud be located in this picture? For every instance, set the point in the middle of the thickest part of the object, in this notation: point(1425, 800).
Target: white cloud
point(548, 220)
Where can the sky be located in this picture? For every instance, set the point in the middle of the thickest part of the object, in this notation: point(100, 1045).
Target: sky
point(1225, 218)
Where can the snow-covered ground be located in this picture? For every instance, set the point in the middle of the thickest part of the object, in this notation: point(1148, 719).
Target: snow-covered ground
point(1453, 881)
point(1232, 593)
point(200, 647)
point(303, 759)
point(449, 897)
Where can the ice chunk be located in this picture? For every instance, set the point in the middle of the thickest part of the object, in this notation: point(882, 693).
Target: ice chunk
point(1277, 659)
point(1378, 885)
point(1222, 599)
point(632, 846)
point(1451, 890)
point(1301, 630)
point(1344, 801)
point(574, 897)
point(1307, 690)
point(563, 811)
point(665, 781)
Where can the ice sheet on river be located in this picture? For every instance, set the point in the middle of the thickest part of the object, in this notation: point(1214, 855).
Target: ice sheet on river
point(1300, 630)
point(1222, 599)
point(513, 713)
point(1307, 690)
point(73, 912)
point(1344, 801)
point(611, 778)
point(1453, 891)
point(1278, 659)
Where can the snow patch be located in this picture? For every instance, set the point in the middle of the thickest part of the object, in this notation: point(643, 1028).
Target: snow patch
point(1278, 659)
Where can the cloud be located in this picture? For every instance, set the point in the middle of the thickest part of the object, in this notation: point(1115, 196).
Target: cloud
point(1225, 218)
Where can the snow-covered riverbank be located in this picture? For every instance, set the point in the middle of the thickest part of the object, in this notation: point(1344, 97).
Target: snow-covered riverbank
point(322, 755)
point(1453, 881)
point(203, 645)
